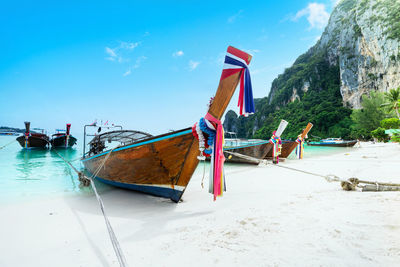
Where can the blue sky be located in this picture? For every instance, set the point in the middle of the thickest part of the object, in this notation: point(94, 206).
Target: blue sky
point(148, 65)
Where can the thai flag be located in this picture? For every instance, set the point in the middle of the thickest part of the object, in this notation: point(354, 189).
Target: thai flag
point(235, 61)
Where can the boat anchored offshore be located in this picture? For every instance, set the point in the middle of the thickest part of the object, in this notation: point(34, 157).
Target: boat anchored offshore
point(336, 142)
point(63, 138)
point(160, 165)
point(33, 139)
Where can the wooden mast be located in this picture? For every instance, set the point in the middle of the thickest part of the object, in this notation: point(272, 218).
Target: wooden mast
point(225, 91)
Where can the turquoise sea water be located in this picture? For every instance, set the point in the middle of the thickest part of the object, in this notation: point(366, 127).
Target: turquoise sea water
point(35, 173)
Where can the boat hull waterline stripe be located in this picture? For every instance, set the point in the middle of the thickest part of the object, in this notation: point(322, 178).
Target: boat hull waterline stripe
point(139, 144)
point(157, 190)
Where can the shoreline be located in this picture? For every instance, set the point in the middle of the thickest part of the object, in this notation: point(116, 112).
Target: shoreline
point(269, 216)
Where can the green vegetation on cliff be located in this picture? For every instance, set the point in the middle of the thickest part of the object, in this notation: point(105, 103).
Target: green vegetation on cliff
point(318, 101)
point(315, 89)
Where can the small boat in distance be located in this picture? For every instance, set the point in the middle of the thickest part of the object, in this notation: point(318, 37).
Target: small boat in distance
point(63, 138)
point(33, 139)
point(337, 142)
point(9, 133)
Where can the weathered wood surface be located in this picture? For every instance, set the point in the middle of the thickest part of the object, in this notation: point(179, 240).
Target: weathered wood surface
point(158, 162)
point(258, 151)
point(169, 162)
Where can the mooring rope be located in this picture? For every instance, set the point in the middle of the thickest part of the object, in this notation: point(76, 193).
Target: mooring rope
point(82, 177)
point(8, 144)
point(114, 240)
point(349, 184)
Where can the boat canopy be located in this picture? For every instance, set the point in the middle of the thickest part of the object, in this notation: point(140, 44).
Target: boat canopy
point(122, 136)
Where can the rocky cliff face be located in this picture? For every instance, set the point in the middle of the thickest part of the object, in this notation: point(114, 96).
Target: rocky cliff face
point(362, 36)
point(358, 52)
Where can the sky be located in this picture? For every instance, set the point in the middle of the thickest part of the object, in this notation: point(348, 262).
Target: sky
point(146, 65)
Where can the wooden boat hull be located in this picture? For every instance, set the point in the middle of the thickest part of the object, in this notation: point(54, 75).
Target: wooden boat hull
point(161, 165)
point(257, 150)
point(287, 149)
point(60, 141)
point(344, 144)
point(34, 141)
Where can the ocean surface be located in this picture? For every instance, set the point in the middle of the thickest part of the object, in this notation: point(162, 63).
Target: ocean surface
point(41, 172)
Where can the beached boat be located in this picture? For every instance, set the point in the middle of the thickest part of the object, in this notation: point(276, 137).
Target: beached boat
point(159, 165)
point(288, 146)
point(336, 142)
point(255, 148)
point(63, 138)
point(33, 139)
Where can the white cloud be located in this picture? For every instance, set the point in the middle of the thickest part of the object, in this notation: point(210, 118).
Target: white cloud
point(316, 15)
point(128, 72)
point(139, 60)
point(233, 18)
point(128, 46)
point(335, 2)
point(111, 53)
point(193, 65)
point(178, 53)
point(121, 52)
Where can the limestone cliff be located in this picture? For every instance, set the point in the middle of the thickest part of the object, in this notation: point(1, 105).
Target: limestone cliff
point(363, 36)
point(357, 53)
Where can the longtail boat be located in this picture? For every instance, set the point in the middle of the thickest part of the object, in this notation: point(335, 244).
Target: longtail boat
point(33, 139)
point(160, 165)
point(63, 139)
point(335, 142)
point(288, 146)
point(254, 148)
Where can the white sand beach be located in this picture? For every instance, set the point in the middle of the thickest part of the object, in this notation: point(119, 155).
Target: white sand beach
point(269, 216)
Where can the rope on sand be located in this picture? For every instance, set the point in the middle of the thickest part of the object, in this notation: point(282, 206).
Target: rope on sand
point(347, 185)
point(89, 180)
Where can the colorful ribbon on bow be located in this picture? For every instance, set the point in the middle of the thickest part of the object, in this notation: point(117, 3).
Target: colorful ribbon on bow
point(211, 129)
point(27, 139)
point(277, 145)
point(235, 61)
point(300, 147)
point(217, 183)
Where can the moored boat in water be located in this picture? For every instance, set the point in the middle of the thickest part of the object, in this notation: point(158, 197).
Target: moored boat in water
point(63, 138)
point(335, 142)
point(160, 165)
point(33, 139)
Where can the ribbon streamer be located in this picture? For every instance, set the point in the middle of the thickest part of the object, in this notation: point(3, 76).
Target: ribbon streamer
point(235, 61)
point(217, 158)
point(300, 147)
point(277, 145)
